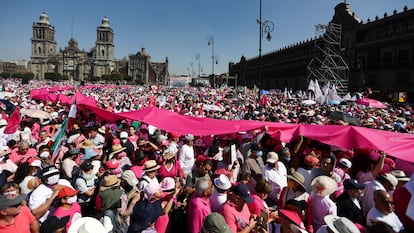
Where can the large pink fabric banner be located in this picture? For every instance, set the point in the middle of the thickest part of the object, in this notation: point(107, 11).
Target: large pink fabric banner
point(396, 144)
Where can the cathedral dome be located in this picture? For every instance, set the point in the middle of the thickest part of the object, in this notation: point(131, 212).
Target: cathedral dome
point(43, 18)
point(105, 22)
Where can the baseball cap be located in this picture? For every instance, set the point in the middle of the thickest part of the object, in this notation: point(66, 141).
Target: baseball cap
point(353, 184)
point(243, 191)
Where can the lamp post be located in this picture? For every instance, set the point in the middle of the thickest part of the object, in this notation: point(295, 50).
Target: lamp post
point(214, 58)
point(265, 27)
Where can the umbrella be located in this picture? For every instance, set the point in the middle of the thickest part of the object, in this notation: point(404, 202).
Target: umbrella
point(308, 102)
point(370, 103)
point(35, 113)
point(334, 102)
point(211, 107)
point(343, 116)
point(4, 94)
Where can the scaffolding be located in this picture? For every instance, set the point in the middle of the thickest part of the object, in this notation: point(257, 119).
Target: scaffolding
point(327, 65)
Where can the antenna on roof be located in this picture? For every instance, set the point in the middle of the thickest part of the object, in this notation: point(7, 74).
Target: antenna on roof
point(71, 29)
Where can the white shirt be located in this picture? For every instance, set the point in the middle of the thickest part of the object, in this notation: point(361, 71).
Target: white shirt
point(39, 197)
point(217, 200)
point(368, 199)
point(374, 215)
point(277, 178)
point(186, 158)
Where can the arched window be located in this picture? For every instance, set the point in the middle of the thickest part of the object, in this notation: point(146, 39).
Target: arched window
point(39, 49)
point(102, 52)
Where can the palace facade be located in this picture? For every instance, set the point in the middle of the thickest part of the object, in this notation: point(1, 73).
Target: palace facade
point(378, 53)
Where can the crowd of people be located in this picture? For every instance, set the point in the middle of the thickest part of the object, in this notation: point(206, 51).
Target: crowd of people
point(129, 176)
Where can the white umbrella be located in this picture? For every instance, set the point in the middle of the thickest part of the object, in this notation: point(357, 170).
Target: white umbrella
point(308, 102)
point(4, 94)
point(212, 107)
point(35, 113)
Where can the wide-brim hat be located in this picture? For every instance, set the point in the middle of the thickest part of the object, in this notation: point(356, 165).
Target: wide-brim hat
point(87, 144)
point(400, 175)
point(87, 225)
point(102, 130)
point(130, 177)
point(9, 200)
point(298, 178)
point(110, 182)
point(340, 224)
point(151, 165)
point(117, 148)
point(324, 185)
point(293, 216)
point(222, 182)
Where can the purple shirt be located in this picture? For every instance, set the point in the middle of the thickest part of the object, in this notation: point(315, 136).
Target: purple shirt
point(322, 206)
point(199, 208)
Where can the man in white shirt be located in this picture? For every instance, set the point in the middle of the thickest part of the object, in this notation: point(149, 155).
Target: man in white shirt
point(186, 156)
point(276, 173)
point(386, 182)
point(383, 211)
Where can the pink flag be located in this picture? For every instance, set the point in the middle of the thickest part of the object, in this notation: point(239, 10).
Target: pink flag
point(13, 123)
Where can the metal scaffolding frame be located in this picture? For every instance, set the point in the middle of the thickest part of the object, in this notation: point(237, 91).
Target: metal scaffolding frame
point(327, 65)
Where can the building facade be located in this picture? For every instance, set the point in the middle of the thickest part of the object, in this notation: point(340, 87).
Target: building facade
point(379, 54)
point(78, 64)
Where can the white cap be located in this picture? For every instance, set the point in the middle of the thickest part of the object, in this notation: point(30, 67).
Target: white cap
point(123, 134)
point(345, 162)
point(272, 157)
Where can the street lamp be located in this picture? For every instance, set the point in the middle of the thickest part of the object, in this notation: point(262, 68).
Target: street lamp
point(214, 58)
point(265, 27)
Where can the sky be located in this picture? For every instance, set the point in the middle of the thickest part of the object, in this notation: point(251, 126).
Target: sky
point(178, 29)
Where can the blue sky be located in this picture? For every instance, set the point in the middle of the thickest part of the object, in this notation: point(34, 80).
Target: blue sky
point(177, 29)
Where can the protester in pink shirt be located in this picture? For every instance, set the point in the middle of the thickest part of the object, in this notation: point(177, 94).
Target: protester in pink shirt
point(23, 153)
point(199, 207)
point(235, 211)
point(68, 206)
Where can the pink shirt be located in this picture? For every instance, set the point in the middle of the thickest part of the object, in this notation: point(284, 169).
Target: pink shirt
point(162, 223)
point(74, 213)
point(174, 171)
point(237, 220)
point(16, 156)
point(257, 205)
point(199, 208)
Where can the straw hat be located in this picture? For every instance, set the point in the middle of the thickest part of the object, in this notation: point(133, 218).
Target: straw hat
point(298, 178)
point(110, 182)
point(168, 154)
point(324, 185)
point(102, 130)
point(117, 148)
point(151, 165)
point(86, 144)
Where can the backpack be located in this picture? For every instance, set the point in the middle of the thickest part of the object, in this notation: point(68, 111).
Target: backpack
point(95, 201)
point(119, 223)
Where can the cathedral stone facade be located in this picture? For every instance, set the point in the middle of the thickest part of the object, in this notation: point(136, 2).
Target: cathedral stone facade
point(77, 64)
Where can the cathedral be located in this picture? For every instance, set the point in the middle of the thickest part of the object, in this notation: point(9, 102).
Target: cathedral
point(78, 64)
